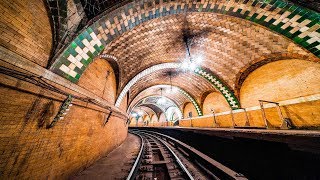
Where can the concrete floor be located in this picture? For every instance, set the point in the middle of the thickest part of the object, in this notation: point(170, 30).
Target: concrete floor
point(115, 165)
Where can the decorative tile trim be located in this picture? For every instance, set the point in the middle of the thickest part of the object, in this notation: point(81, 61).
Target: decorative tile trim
point(192, 100)
point(142, 74)
point(219, 85)
point(297, 23)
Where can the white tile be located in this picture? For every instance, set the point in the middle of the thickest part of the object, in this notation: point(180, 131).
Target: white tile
point(303, 29)
point(72, 73)
point(85, 56)
point(86, 42)
point(72, 66)
point(285, 25)
point(294, 30)
point(93, 35)
point(93, 42)
point(79, 64)
point(78, 57)
point(304, 22)
point(78, 50)
point(91, 49)
point(295, 18)
point(85, 50)
point(64, 68)
point(312, 40)
point(71, 58)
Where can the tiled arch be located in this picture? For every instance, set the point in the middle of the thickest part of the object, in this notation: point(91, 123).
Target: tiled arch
point(142, 102)
point(214, 80)
point(180, 90)
point(299, 24)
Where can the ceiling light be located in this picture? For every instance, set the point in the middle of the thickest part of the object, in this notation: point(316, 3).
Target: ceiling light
point(192, 66)
point(184, 65)
point(134, 114)
point(161, 100)
point(198, 59)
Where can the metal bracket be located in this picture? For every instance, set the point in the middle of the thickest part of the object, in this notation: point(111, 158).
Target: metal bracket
point(107, 119)
point(285, 124)
point(62, 111)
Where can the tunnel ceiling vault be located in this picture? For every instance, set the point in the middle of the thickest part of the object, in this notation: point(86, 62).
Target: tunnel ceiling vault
point(230, 40)
point(228, 36)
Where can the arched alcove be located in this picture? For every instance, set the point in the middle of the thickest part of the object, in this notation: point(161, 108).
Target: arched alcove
point(154, 118)
point(189, 110)
point(280, 80)
point(162, 118)
point(216, 102)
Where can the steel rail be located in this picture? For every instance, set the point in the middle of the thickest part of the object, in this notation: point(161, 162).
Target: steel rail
point(229, 172)
point(135, 166)
point(183, 167)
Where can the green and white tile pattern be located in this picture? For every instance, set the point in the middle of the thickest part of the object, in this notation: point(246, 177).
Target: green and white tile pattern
point(219, 85)
point(192, 100)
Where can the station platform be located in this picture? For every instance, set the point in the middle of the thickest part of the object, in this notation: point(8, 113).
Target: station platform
point(305, 140)
point(116, 165)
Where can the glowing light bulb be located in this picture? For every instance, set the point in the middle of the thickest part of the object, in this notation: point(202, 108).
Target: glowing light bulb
point(192, 66)
point(134, 114)
point(198, 59)
point(161, 101)
point(184, 65)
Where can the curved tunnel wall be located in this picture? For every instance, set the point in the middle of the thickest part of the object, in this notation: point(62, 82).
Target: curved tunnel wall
point(29, 150)
point(26, 30)
point(100, 79)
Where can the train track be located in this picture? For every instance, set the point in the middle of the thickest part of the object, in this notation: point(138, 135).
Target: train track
point(163, 157)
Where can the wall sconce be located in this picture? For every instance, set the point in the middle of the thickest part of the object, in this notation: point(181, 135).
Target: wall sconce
point(64, 108)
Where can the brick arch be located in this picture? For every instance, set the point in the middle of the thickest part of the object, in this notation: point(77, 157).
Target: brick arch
point(162, 110)
point(245, 71)
point(203, 97)
point(115, 66)
point(179, 90)
point(292, 21)
point(184, 110)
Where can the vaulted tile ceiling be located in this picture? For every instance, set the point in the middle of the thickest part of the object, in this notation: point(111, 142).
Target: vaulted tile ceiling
point(229, 36)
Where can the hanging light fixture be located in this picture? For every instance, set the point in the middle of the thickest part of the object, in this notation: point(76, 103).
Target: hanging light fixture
point(190, 63)
point(171, 89)
point(161, 100)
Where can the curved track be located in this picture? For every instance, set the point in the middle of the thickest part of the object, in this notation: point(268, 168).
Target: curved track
point(163, 157)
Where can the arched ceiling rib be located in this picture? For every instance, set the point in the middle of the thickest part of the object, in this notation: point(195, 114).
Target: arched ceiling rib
point(188, 81)
point(179, 98)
